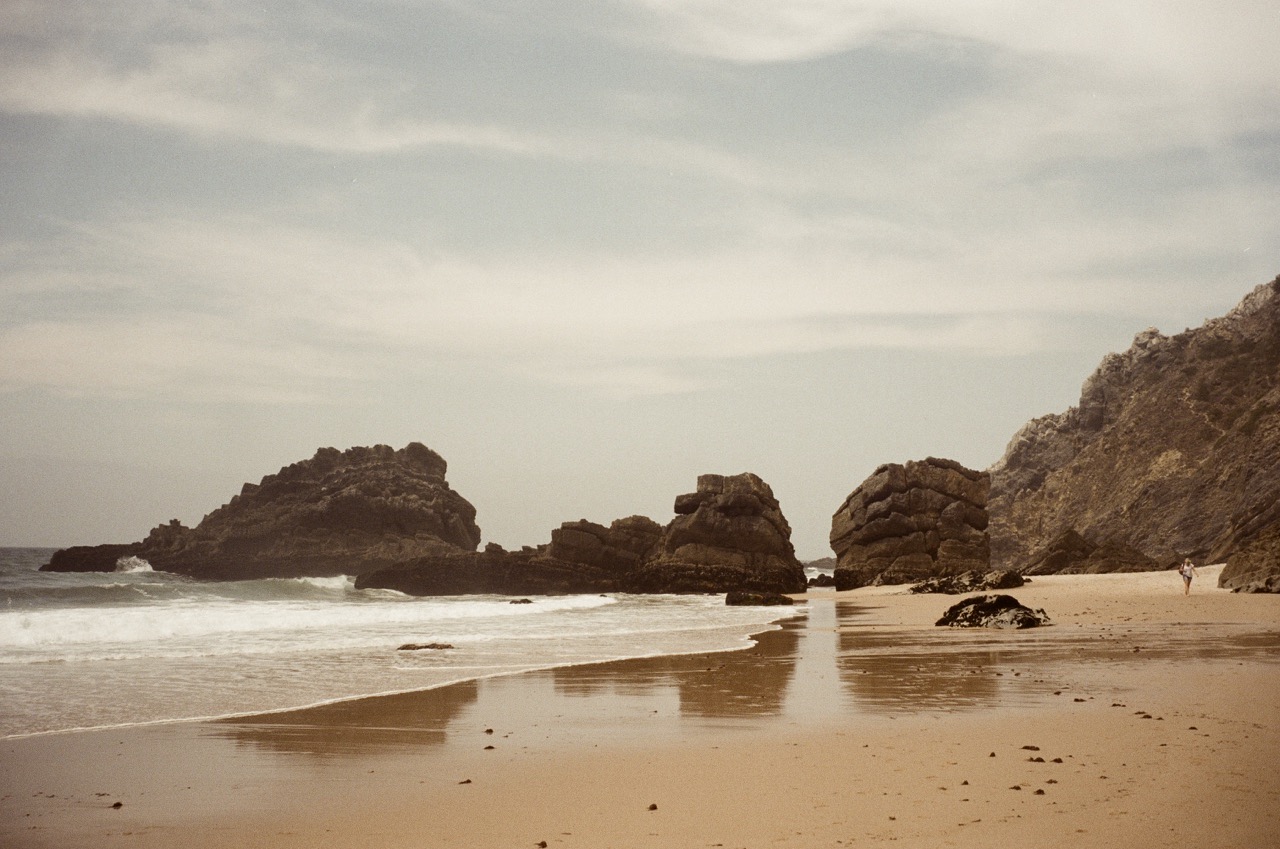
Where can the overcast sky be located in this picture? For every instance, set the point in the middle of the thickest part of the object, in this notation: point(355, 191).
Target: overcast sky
point(590, 250)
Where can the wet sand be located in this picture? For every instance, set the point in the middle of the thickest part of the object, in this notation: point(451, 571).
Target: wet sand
point(1153, 717)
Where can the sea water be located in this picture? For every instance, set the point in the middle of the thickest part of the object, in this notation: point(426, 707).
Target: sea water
point(87, 650)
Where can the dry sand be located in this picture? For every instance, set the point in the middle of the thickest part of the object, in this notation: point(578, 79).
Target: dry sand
point(1140, 718)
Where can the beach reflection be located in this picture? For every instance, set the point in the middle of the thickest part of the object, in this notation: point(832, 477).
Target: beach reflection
point(358, 726)
point(822, 666)
point(727, 685)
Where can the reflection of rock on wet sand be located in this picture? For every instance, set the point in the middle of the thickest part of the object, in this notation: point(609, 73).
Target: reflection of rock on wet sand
point(879, 671)
point(736, 684)
point(351, 727)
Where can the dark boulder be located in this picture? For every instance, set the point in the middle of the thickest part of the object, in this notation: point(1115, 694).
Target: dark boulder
point(90, 558)
point(992, 611)
point(488, 573)
point(745, 598)
point(970, 582)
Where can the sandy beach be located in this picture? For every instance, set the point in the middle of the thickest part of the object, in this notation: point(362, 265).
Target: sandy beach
point(1139, 718)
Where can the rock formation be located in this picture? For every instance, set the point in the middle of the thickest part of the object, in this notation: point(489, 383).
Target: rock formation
point(1171, 451)
point(1072, 554)
point(390, 518)
point(746, 598)
point(729, 535)
point(910, 522)
point(970, 582)
point(334, 514)
point(992, 611)
point(1256, 567)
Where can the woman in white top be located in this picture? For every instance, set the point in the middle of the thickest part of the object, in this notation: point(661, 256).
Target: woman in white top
point(1187, 570)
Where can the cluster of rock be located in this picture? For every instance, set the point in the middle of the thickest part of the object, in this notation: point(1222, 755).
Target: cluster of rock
point(333, 514)
point(1171, 452)
point(970, 582)
point(909, 522)
point(390, 518)
point(730, 534)
point(992, 611)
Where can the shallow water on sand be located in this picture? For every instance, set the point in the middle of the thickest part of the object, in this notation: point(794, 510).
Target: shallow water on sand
point(820, 668)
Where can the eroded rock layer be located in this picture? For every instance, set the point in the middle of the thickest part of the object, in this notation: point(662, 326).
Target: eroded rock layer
point(909, 522)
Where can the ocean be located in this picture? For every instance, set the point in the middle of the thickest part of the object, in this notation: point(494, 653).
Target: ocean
point(136, 646)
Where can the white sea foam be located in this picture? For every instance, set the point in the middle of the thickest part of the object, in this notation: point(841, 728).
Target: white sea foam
point(197, 628)
point(191, 648)
point(133, 564)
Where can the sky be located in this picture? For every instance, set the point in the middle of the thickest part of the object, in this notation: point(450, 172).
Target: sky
point(589, 251)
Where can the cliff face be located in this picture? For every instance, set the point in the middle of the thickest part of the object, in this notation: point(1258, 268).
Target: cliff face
point(334, 514)
point(1172, 450)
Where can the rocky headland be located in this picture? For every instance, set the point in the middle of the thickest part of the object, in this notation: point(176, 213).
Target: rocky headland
point(1170, 453)
point(908, 522)
point(336, 513)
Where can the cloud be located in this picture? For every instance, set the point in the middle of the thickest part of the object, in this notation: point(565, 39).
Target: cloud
point(248, 309)
point(1224, 43)
point(1053, 182)
point(238, 89)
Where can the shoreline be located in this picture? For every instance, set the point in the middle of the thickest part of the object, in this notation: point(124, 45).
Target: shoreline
point(859, 723)
point(251, 714)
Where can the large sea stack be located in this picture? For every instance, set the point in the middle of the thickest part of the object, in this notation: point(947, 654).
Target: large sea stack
point(729, 533)
point(909, 522)
point(1171, 452)
point(338, 513)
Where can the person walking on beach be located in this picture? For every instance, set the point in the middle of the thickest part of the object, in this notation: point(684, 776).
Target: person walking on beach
point(1187, 570)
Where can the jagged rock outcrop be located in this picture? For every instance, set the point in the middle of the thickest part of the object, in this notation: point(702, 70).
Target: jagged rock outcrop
point(1072, 554)
point(1171, 450)
point(910, 522)
point(1256, 567)
point(970, 582)
point(992, 611)
point(618, 549)
point(90, 558)
point(337, 513)
point(729, 535)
